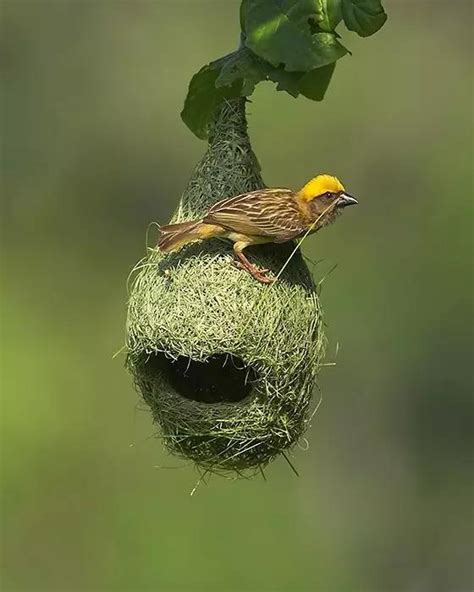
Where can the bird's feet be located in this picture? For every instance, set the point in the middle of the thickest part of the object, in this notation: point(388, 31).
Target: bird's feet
point(256, 272)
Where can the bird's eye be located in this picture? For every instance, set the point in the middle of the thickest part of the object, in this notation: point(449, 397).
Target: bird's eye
point(328, 194)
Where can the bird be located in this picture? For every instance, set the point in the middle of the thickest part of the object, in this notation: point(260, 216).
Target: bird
point(269, 215)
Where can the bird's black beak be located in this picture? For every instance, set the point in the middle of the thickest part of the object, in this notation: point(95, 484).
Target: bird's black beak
point(345, 200)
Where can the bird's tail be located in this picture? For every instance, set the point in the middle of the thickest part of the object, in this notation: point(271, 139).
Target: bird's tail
point(175, 236)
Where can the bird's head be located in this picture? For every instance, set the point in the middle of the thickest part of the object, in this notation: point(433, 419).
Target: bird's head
point(325, 191)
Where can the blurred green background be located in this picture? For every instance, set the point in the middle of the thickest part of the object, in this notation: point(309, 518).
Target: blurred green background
point(93, 150)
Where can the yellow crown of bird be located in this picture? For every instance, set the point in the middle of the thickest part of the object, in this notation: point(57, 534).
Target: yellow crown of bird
point(320, 185)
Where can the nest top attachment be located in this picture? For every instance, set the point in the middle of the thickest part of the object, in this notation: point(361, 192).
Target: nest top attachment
point(227, 365)
point(229, 166)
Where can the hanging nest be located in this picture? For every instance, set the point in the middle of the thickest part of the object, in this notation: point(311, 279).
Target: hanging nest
point(226, 364)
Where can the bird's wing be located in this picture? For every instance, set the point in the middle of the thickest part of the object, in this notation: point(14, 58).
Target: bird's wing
point(266, 212)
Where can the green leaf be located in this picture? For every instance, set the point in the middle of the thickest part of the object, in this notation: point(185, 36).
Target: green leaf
point(365, 17)
point(203, 97)
point(236, 75)
point(279, 31)
point(244, 66)
point(314, 84)
point(290, 42)
point(327, 49)
point(329, 14)
point(287, 81)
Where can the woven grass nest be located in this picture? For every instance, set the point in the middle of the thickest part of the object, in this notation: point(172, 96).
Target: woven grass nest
point(226, 364)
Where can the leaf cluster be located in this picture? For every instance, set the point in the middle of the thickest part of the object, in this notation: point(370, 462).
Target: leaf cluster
point(293, 43)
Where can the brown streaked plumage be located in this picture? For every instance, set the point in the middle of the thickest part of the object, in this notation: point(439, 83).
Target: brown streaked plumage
point(263, 216)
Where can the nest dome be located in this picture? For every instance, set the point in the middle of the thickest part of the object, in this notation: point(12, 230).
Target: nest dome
point(227, 365)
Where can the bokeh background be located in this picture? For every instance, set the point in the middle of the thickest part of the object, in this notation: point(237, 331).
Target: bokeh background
point(93, 149)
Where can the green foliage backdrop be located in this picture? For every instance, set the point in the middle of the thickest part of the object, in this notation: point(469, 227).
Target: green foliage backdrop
point(93, 149)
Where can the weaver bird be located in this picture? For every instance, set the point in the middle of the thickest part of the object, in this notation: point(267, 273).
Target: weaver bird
point(263, 216)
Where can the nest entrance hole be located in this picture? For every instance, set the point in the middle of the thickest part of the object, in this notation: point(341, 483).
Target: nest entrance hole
point(221, 378)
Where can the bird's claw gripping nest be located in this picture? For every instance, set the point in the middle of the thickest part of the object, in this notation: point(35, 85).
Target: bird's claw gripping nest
point(256, 272)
